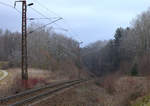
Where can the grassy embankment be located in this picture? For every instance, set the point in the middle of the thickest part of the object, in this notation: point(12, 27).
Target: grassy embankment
point(145, 101)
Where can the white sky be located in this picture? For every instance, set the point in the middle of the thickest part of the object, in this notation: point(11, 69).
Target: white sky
point(90, 20)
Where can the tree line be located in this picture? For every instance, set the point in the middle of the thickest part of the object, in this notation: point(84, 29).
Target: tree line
point(128, 52)
point(46, 48)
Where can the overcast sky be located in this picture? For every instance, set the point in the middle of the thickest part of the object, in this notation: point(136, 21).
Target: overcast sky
point(86, 20)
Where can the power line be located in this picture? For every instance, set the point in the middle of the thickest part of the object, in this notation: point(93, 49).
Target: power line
point(47, 9)
point(45, 17)
point(66, 30)
point(44, 26)
point(41, 14)
point(75, 34)
point(71, 30)
point(50, 11)
point(41, 18)
point(8, 5)
point(38, 12)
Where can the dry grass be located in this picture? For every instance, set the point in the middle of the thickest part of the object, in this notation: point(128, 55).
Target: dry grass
point(122, 91)
point(109, 83)
point(114, 91)
point(1, 74)
point(144, 64)
point(13, 83)
point(4, 64)
point(92, 95)
point(6, 85)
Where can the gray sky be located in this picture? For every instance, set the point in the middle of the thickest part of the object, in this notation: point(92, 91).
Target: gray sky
point(86, 20)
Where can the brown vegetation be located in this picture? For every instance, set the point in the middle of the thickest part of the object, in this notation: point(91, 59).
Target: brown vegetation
point(123, 90)
point(13, 83)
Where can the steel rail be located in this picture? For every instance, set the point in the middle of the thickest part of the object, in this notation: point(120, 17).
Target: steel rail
point(50, 92)
point(6, 99)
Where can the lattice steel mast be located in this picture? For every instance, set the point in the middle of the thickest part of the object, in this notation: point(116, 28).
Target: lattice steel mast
point(24, 64)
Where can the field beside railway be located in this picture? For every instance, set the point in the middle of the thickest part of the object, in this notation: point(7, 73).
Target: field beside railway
point(12, 84)
point(111, 90)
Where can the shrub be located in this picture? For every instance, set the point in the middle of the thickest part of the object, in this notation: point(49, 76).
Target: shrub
point(4, 65)
point(134, 71)
point(109, 83)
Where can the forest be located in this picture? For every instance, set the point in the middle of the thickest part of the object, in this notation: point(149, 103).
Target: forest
point(127, 53)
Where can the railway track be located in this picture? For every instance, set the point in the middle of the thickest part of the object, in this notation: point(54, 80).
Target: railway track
point(33, 95)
